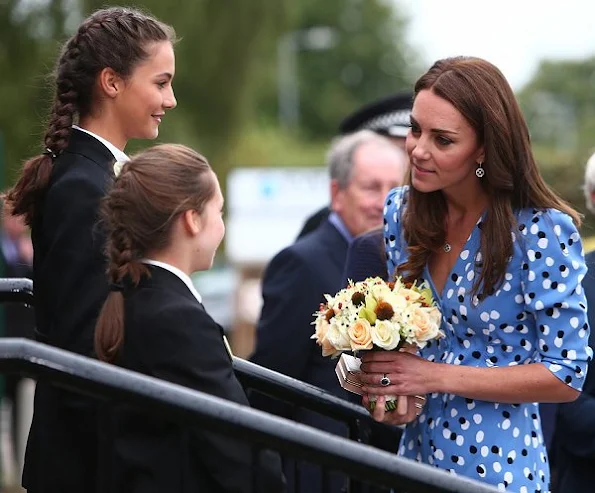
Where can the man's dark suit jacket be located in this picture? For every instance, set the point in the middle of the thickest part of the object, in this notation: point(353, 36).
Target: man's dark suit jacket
point(169, 335)
point(294, 285)
point(366, 257)
point(575, 426)
point(70, 287)
point(313, 221)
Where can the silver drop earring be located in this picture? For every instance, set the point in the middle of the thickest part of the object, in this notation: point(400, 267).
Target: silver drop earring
point(479, 171)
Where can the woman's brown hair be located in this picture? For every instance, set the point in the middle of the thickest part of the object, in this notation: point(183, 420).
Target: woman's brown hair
point(117, 38)
point(479, 91)
point(152, 190)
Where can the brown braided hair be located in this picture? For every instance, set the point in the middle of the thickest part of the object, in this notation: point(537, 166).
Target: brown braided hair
point(138, 213)
point(114, 37)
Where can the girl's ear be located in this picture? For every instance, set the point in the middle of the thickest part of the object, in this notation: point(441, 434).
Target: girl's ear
point(192, 222)
point(110, 83)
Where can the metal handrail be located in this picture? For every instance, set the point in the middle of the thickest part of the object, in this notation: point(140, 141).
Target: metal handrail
point(297, 392)
point(16, 290)
point(179, 403)
point(20, 290)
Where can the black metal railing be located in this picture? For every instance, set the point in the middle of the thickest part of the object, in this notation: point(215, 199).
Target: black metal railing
point(345, 418)
point(16, 290)
point(298, 394)
point(171, 401)
point(258, 380)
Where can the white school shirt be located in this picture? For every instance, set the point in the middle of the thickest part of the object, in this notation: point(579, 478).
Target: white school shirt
point(117, 153)
point(174, 270)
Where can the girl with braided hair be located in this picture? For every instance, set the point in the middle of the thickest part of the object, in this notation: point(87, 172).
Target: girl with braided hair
point(163, 219)
point(113, 83)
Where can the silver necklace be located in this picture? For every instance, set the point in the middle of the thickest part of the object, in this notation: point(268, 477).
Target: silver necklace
point(447, 247)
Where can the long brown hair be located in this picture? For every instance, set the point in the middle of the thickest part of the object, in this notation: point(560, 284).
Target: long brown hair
point(479, 91)
point(152, 190)
point(117, 38)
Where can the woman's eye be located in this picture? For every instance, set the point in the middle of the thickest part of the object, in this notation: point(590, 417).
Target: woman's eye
point(443, 140)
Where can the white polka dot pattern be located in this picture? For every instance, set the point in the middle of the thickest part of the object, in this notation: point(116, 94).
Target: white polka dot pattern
point(538, 314)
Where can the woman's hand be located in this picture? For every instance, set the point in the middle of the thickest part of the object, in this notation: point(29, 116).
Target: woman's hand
point(407, 373)
point(414, 408)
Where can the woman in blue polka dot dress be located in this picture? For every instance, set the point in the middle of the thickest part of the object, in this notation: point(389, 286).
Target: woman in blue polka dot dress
point(504, 259)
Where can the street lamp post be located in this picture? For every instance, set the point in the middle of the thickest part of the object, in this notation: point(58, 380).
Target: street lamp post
point(314, 38)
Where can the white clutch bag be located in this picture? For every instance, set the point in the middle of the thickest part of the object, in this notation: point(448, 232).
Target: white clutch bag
point(348, 372)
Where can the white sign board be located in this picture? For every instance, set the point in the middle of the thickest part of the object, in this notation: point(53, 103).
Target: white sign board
point(267, 208)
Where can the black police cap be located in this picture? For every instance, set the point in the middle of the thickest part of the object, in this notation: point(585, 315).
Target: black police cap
point(387, 116)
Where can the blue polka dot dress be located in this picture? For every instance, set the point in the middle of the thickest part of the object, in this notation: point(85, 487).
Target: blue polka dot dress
point(537, 315)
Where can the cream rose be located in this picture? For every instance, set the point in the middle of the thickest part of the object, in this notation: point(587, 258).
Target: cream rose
point(435, 315)
point(328, 349)
point(424, 328)
point(360, 334)
point(385, 334)
point(321, 338)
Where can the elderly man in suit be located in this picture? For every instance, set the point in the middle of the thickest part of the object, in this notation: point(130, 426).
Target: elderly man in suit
point(389, 117)
point(363, 167)
point(574, 439)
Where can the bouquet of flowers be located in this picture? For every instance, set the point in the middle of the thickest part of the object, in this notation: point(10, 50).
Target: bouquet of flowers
point(377, 315)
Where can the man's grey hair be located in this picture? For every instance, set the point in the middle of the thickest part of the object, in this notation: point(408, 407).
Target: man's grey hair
point(340, 154)
point(589, 184)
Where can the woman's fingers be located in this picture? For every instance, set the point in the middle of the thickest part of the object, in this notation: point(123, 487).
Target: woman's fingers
point(379, 367)
point(393, 361)
point(392, 417)
point(379, 413)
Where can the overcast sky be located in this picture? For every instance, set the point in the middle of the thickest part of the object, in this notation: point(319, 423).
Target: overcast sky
point(512, 34)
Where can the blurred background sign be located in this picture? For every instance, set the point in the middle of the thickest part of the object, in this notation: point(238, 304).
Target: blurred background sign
point(267, 207)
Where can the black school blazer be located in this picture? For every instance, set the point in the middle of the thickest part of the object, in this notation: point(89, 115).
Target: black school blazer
point(169, 335)
point(70, 287)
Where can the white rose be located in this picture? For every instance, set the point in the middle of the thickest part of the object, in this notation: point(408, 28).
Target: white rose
point(385, 334)
point(337, 335)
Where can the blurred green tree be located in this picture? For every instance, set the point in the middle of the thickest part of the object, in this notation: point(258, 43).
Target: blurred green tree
point(367, 58)
point(27, 46)
point(227, 68)
point(559, 104)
